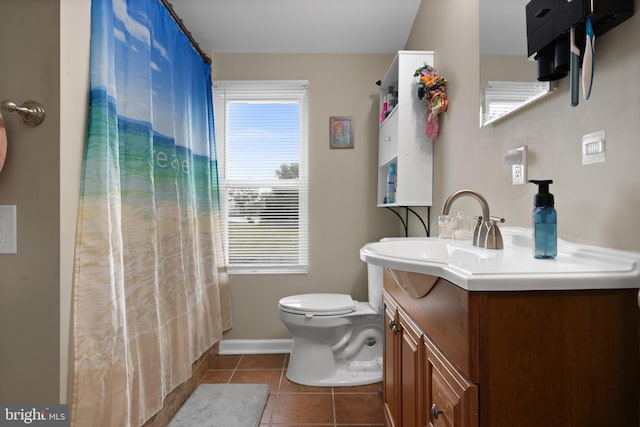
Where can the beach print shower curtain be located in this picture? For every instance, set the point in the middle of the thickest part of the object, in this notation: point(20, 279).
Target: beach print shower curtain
point(150, 287)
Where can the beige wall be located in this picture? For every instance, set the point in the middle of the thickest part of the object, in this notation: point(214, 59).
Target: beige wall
point(342, 183)
point(513, 68)
point(29, 280)
point(597, 204)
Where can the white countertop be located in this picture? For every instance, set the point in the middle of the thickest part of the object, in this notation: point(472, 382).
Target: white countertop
point(510, 269)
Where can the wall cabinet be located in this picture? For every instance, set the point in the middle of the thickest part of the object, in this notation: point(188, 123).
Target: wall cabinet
point(402, 140)
point(455, 358)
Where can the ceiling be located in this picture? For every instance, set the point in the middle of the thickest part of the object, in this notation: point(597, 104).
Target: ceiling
point(333, 26)
point(299, 26)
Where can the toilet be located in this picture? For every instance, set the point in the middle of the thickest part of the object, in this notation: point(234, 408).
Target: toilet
point(336, 341)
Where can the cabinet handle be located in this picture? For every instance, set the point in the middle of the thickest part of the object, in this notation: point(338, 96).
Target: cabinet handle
point(395, 327)
point(435, 412)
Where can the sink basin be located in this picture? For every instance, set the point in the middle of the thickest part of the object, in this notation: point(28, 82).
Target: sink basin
point(511, 269)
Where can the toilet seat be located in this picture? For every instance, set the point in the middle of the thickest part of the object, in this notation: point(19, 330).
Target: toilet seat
point(318, 304)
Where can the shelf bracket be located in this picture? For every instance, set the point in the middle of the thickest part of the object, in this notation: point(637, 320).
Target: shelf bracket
point(405, 219)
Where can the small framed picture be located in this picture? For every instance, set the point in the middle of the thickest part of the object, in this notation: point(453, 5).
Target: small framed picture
point(340, 132)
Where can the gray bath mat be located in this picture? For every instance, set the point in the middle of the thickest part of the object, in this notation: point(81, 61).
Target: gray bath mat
point(223, 405)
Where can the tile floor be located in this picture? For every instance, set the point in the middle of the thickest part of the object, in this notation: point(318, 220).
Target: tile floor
point(291, 404)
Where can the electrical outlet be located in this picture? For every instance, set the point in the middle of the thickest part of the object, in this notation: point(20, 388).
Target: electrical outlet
point(517, 172)
point(517, 158)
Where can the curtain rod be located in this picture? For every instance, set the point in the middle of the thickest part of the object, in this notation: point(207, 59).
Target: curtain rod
point(186, 32)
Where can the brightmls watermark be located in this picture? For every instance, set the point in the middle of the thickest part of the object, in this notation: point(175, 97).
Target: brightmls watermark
point(34, 415)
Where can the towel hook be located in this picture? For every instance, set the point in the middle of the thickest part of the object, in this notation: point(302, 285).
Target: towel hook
point(31, 112)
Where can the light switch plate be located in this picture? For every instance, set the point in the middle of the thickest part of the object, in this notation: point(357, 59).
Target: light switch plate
point(593, 148)
point(8, 230)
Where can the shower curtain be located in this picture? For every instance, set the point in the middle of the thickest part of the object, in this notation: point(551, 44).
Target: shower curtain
point(150, 288)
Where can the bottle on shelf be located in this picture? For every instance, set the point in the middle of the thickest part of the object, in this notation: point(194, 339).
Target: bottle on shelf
point(391, 98)
point(383, 113)
point(389, 101)
point(391, 184)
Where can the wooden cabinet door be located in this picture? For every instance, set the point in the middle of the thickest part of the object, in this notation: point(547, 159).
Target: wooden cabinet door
point(391, 366)
point(411, 356)
point(450, 397)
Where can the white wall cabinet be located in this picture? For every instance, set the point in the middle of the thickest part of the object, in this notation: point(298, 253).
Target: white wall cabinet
point(402, 140)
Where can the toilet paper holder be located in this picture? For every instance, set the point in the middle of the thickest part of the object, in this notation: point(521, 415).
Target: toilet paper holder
point(31, 112)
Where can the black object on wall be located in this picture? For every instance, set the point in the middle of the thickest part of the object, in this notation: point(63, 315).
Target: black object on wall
point(548, 24)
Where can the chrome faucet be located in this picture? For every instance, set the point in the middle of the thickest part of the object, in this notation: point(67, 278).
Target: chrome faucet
point(486, 234)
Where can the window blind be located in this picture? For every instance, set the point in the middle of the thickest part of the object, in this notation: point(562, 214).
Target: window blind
point(261, 136)
point(502, 97)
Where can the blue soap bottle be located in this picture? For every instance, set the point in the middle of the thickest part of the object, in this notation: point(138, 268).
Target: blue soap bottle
point(545, 222)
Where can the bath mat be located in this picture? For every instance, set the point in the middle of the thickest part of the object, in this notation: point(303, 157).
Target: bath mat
point(223, 405)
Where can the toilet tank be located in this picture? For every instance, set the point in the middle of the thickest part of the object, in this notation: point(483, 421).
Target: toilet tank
point(375, 284)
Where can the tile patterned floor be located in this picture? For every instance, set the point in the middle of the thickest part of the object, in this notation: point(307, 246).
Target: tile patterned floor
point(291, 404)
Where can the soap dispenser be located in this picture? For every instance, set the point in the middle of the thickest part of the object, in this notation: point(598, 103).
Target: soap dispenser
point(545, 229)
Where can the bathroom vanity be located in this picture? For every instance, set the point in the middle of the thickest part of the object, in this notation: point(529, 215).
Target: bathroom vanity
point(459, 358)
point(461, 352)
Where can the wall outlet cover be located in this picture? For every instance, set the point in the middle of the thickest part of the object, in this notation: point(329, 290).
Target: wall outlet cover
point(593, 148)
point(517, 158)
point(517, 174)
point(8, 234)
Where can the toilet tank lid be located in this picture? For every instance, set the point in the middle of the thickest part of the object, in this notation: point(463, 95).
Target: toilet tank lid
point(333, 304)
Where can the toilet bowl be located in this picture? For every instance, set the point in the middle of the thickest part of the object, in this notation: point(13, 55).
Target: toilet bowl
point(336, 341)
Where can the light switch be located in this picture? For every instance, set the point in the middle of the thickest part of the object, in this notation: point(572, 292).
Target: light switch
point(8, 233)
point(593, 148)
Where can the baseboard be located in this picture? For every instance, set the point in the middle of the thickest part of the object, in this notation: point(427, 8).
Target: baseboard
point(255, 346)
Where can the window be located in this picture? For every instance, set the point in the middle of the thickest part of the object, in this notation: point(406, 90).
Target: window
point(261, 137)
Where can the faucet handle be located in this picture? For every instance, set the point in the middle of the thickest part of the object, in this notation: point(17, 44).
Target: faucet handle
point(493, 238)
